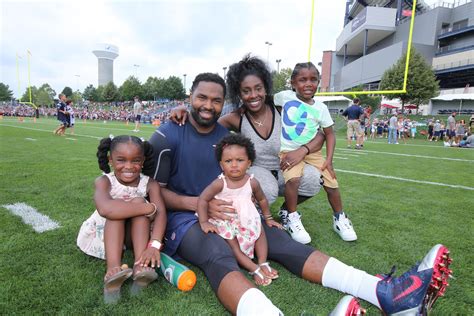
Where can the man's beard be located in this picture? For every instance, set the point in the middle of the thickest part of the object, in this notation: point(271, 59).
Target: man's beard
point(203, 122)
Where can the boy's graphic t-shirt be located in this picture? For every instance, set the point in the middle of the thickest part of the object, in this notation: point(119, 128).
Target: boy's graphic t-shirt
point(300, 121)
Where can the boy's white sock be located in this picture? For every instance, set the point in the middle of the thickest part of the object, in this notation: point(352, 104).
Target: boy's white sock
point(253, 302)
point(347, 279)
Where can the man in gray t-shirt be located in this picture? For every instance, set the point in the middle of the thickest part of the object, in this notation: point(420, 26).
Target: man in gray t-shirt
point(451, 128)
point(392, 129)
point(137, 112)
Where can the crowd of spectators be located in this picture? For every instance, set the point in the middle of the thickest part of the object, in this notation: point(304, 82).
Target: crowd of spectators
point(102, 111)
point(431, 128)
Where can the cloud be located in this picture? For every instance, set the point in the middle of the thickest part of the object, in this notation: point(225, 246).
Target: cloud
point(164, 37)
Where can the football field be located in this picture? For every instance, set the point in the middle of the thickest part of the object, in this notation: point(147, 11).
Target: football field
point(402, 200)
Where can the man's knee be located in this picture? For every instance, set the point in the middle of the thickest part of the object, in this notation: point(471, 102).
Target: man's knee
point(216, 254)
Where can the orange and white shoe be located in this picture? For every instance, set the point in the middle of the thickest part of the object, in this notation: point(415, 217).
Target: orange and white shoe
point(348, 306)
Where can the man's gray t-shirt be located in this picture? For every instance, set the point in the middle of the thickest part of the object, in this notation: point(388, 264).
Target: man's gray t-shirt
point(451, 122)
point(393, 122)
point(137, 108)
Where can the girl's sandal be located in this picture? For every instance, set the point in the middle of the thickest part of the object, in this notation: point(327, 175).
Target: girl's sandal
point(270, 273)
point(113, 283)
point(142, 278)
point(257, 275)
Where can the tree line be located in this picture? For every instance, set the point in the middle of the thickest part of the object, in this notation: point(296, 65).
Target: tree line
point(421, 87)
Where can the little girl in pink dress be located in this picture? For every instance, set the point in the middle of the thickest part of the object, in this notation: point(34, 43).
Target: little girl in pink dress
point(243, 230)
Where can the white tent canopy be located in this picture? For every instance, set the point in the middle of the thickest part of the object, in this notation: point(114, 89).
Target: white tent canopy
point(457, 96)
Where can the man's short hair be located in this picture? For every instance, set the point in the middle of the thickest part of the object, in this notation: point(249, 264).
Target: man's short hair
point(356, 101)
point(208, 77)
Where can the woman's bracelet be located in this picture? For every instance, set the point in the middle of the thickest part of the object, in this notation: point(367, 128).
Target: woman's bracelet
point(307, 148)
point(268, 217)
point(154, 210)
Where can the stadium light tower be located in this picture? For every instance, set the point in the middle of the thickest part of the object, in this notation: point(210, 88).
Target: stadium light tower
point(106, 53)
point(278, 61)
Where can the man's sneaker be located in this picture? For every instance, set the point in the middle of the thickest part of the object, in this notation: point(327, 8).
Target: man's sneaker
point(348, 306)
point(343, 226)
point(415, 292)
point(283, 218)
point(296, 229)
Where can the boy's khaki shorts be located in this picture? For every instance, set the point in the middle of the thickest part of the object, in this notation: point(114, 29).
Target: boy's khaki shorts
point(315, 159)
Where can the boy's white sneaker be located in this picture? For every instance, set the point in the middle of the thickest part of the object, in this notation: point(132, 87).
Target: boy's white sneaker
point(283, 214)
point(296, 228)
point(343, 226)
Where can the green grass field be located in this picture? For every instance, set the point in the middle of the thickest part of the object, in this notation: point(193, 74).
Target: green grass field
point(409, 198)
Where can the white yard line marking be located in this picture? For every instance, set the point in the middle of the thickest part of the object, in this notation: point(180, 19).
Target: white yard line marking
point(32, 217)
point(385, 142)
point(360, 152)
point(70, 138)
point(407, 180)
point(32, 139)
point(116, 125)
point(337, 157)
point(48, 131)
point(348, 155)
point(417, 156)
point(126, 131)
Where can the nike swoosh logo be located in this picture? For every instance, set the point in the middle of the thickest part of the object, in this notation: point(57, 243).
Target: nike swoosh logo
point(413, 287)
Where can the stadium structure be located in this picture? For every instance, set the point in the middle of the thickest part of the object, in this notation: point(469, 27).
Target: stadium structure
point(375, 36)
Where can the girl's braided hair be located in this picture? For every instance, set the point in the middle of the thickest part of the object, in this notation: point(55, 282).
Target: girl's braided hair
point(108, 144)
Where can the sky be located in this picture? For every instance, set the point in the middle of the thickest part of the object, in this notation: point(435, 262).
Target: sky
point(157, 38)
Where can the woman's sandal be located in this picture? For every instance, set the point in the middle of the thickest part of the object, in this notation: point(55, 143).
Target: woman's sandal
point(264, 280)
point(271, 273)
point(142, 278)
point(113, 283)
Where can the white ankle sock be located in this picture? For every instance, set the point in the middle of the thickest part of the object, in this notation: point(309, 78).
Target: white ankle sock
point(347, 279)
point(254, 302)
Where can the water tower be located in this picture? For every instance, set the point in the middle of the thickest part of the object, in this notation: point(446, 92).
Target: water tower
point(106, 53)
